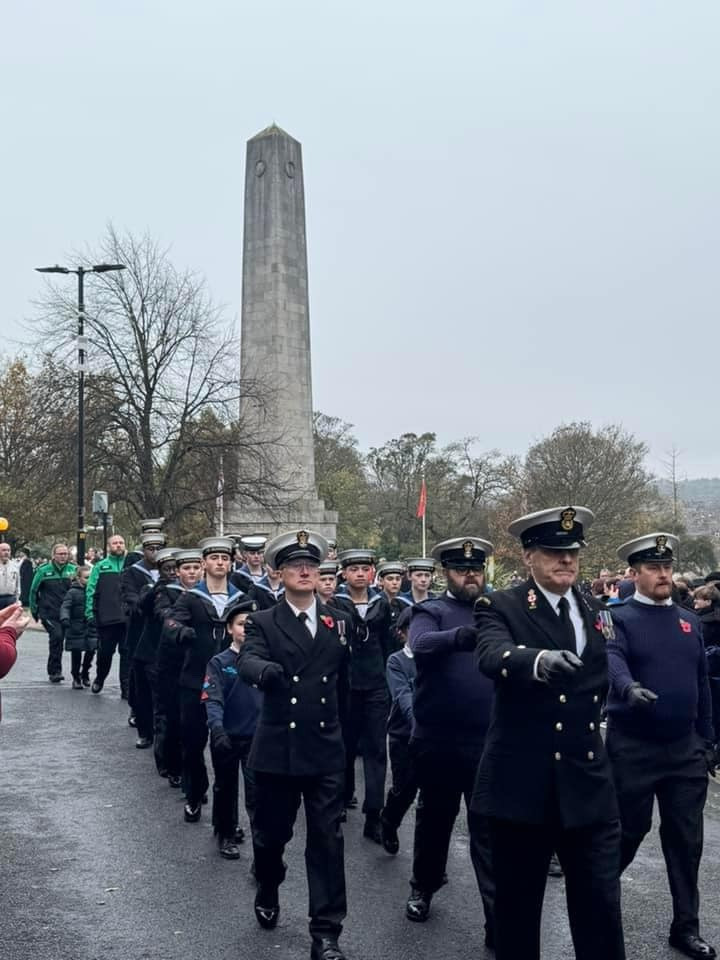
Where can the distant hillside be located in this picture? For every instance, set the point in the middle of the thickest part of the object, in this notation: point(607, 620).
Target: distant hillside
point(706, 490)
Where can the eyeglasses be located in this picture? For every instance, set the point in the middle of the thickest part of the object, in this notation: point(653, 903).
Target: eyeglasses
point(473, 571)
point(301, 565)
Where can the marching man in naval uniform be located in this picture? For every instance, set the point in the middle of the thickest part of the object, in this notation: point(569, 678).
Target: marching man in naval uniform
point(660, 731)
point(297, 654)
point(544, 778)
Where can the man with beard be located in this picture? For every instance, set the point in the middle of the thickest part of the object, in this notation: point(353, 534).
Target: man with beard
point(103, 605)
point(451, 711)
point(544, 780)
point(659, 735)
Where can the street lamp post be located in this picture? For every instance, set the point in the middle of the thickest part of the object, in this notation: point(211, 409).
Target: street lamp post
point(80, 272)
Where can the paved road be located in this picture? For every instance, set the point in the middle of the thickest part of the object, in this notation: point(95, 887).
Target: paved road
point(96, 863)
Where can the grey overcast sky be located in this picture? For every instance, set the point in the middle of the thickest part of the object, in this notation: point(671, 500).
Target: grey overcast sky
point(513, 207)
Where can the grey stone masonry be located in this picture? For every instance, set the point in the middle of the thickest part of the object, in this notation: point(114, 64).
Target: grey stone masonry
point(275, 336)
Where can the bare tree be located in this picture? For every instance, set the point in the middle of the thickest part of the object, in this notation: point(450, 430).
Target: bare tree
point(164, 384)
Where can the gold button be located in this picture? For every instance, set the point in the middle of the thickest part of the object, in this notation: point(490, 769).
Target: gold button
point(322, 723)
point(562, 698)
point(503, 672)
point(506, 655)
point(521, 646)
point(558, 727)
point(324, 679)
point(596, 698)
point(592, 726)
point(558, 756)
point(292, 724)
point(322, 700)
point(296, 679)
point(293, 700)
point(591, 755)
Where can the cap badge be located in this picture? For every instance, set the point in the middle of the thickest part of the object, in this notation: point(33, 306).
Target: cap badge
point(467, 549)
point(661, 544)
point(302, 538)
point(567, 518)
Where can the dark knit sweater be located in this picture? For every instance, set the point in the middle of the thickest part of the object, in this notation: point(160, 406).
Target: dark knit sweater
point(231, 704)
point(452, 699)
point(661, 648)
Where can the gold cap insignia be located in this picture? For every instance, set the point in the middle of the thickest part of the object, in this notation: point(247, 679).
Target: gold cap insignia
point(661, 544)
point(468, 549)
point(567, 518)
point(302, 538)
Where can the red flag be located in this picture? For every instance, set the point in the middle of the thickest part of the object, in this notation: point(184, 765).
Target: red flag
point(422, 502)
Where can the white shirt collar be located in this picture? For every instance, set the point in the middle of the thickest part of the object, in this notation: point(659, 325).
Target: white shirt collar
point(554, 598)
point(311, 614)
point(641, 598)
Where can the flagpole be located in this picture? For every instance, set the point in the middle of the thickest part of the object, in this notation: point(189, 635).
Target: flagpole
point(424, 553)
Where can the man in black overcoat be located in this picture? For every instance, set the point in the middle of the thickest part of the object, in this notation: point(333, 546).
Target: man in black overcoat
point(544, 779)
point(297, 654)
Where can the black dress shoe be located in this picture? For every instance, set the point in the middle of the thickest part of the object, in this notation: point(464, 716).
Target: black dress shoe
point(417, 907)
point(132, 720)
point(192, 812)
point(76, 684)
point(229, 849)
point(372, 829)
point(142, 743)
point(174, 780)
point(389, 836)
point(267, 907)
point(55, 677)
point(691, 945)
point(96, 686)
point(85, 680)
point(326, 948)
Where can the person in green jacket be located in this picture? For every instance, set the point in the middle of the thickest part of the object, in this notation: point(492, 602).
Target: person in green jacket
point(50, 584)
point(103, 607)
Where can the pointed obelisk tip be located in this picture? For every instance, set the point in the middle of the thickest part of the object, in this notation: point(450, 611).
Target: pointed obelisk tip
point(272, 131)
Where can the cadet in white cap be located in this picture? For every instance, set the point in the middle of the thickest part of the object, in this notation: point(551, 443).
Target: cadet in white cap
point(544, 779)
point(135, 581)
point(373, 642)
point(297, 653)
point(252, 547)
point(660, 733)
point(420, 570)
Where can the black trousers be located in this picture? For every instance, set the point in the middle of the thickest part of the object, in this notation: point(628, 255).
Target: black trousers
point(367, 722)
point(81, 661)
point(168, 743)
point(7, 600)
point(445, 776)
point(590, 858)
point(226, 767)
point(404, 787)
point(143, 682)
point(55, 646)
point(676, 774)
point(194, 736)
point(277, 800)
point(110, 638)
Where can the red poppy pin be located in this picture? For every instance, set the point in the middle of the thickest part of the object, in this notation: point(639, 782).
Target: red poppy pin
point(598, 623)
point(328, 621)
point(685, 626)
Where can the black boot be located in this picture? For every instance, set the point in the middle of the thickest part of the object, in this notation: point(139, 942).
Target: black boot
point(267, 907)
point(192, 812)
point(326, 948)
point(76, 684)
point(418, 905)
point(228, 848)
point(389, 836)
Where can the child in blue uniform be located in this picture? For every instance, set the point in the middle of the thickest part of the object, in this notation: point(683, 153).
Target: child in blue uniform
point(232, 711)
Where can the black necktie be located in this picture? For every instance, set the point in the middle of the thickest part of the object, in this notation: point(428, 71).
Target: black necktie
point(568, 631)
point(303, 618)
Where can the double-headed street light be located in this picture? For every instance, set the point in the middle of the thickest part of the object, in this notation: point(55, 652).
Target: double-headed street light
point(81, 271)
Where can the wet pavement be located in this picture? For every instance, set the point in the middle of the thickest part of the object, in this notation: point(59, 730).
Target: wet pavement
point(96, 862)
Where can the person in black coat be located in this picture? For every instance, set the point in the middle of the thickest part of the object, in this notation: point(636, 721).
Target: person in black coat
point(136, 582)
point(297, 654)
point(544, 778)
point(372, 642)
point(79, 632)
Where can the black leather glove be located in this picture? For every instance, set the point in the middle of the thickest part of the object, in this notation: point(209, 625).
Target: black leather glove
point(273, 677)
point(558, 665)
point(185, 635)
point(639, 696)
point(711, 757)
point(466, 638)
point(221, 742)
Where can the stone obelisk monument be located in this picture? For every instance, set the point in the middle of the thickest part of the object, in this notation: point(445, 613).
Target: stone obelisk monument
point(275, 342)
